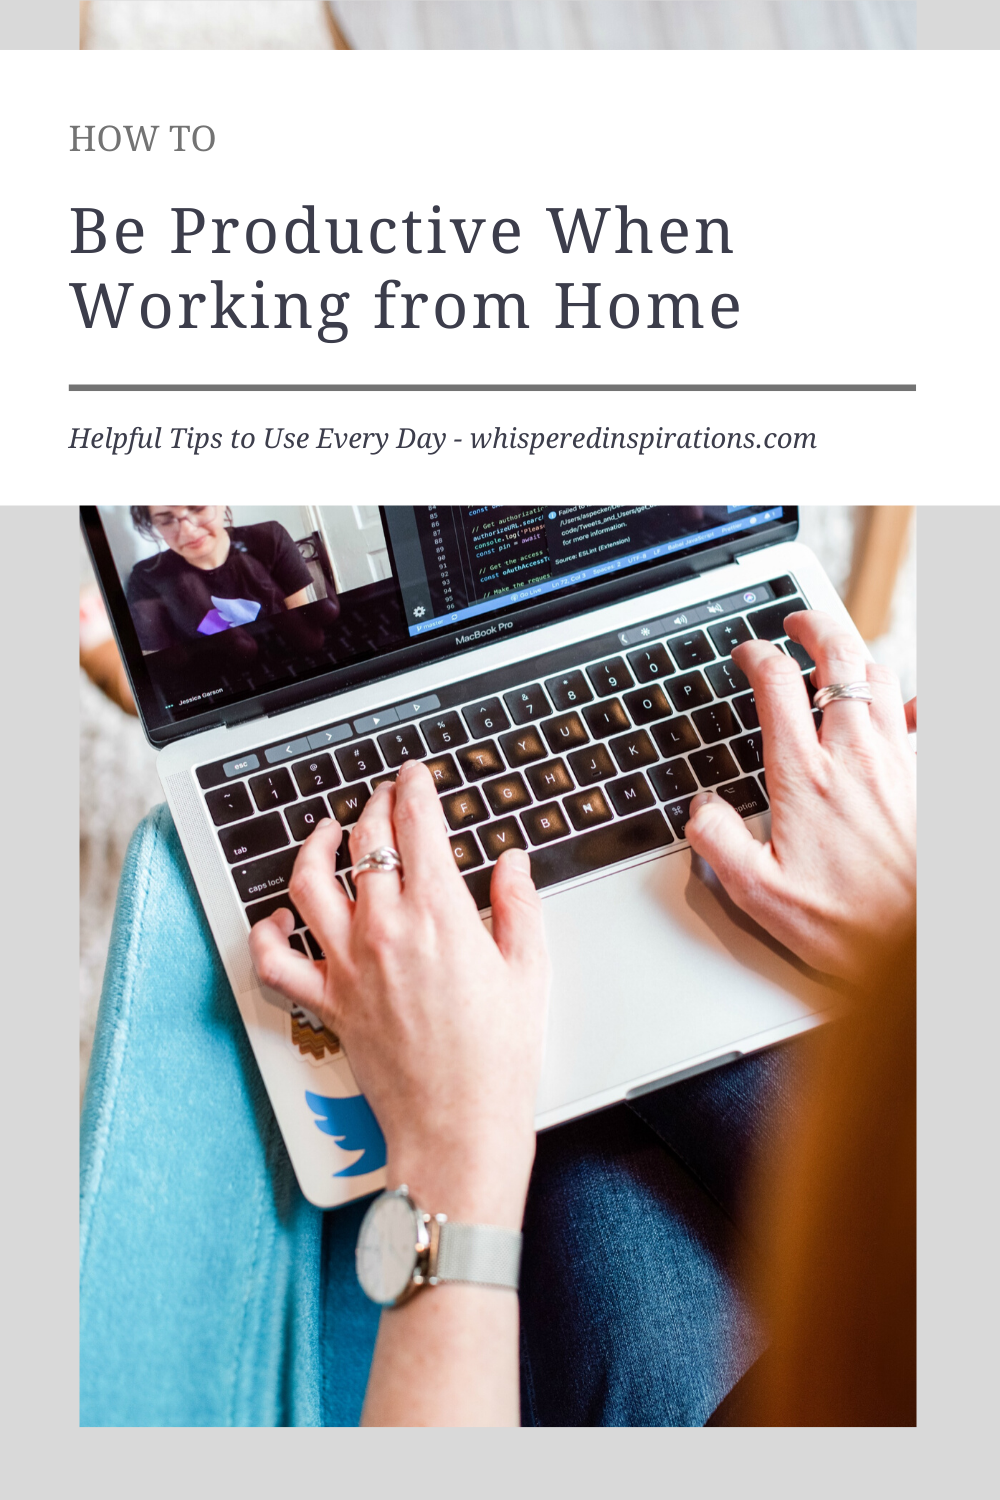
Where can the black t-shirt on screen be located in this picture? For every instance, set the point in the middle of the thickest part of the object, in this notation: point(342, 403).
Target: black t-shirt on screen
point(172, 602)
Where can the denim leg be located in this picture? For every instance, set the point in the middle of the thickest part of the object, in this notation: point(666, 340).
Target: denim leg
point(631, 1310)
point(720, 1124)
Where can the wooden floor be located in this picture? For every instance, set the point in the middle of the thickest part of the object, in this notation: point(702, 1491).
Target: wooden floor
point(641, 24)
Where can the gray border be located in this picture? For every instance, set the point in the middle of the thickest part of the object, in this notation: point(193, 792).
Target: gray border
point(958, 24)
point(46, 25)
point(40, 904)
point(957, 971)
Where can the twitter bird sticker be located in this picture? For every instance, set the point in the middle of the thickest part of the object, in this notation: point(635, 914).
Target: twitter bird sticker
point(354, 1128)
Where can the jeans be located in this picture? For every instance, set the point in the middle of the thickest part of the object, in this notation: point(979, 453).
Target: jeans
point(213, 1294)
point(632, 1309)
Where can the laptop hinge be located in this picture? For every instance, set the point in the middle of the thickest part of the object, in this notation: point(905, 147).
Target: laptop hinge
point(240, 713)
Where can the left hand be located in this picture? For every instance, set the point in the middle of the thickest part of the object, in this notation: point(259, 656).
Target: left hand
point(442, 1023)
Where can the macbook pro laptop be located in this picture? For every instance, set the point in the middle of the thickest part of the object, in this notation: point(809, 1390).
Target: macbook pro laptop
point(565, 673)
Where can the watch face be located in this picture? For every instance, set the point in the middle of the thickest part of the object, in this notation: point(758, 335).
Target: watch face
point(386, 1255)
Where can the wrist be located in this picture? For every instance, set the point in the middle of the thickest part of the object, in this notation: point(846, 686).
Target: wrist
point(470, 1189)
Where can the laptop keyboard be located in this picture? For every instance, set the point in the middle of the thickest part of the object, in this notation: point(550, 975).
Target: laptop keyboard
point(586, 756)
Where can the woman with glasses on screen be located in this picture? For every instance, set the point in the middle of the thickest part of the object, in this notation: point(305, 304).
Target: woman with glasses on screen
point(211, 576)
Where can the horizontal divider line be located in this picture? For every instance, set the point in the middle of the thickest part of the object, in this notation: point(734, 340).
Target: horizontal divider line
point(498, 388)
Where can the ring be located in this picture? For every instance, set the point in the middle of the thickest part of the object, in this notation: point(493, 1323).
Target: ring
point(383, 861)
point(859, 690)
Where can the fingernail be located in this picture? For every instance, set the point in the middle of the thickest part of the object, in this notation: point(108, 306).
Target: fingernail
point(702, 799)
point(519, 858)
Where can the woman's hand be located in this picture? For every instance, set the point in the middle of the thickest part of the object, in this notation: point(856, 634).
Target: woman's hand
point(838, 875)
point(442, 1023)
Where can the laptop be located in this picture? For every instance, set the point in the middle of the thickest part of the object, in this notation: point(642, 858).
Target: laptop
point(564, 671)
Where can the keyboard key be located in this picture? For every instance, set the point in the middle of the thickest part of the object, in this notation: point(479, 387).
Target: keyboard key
point(592, 764)
point(466, 851)
point(629, 794)
point(800, 654)
point(769, 624)
point(713, 766)
point(717, 722)
point(486, 718)
point(480, 760)
point(286, 751)
point(417, 706)
point(386, 776)
point(728, 634)
point(610, 677)
point(522, 746)
point(726, 678)
point(375, 721)
point(324, 737)
point(304, 816)
point(647, 705)
point(599, 848)
point(359, 760)
point(749, 751)
point(443, 733)
point(315, 775)
point(746, 796)
point(673, 781)
point(569, 691)
point(678, 812)
point(445, 773)
point(249, 840)
point(464, 808)
point(543, 824)
point(746, 707)
point(564, 732)
point(550, 780)
point(262, 909)
point(401, 744)
point(782, 587)
point(527, 704)
point(348, 803)
point(496, 837)
point(242, 766)
point(691, 650)
point(606, 718)
point(650, 663)
point(273, 789)
point(690, 691)
point(675, 738)
point(507, 794)
point(265, 876)
point(587, 809)
point(229, 803)
point(633, 751)
point(315, 951)
point(762, 778)
point(297, 941)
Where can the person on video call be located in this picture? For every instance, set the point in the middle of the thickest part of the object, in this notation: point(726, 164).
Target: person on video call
point(443, 1024)
point(213, 576)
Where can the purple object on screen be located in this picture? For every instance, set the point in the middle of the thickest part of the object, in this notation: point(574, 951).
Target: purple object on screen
point(227, 613)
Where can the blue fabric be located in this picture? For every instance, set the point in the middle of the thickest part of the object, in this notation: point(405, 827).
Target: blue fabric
point(632, 1310)
point(213, 1294)
point(202, 1290)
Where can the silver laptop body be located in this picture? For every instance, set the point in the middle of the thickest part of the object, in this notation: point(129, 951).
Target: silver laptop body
point(656, 975)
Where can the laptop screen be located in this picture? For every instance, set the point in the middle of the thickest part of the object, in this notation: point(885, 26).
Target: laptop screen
point(216, 606)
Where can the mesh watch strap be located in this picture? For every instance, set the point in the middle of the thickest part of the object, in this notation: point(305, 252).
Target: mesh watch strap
point(479, 1253)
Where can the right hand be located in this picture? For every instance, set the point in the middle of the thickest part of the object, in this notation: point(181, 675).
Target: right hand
point(837, 879)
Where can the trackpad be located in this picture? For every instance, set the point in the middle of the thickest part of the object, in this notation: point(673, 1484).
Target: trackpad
point(652, 967)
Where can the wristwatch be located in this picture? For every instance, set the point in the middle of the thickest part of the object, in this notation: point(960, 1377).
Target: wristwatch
point(401, 1249)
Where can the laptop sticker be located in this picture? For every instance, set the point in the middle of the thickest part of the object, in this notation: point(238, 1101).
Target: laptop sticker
point(354, 1128)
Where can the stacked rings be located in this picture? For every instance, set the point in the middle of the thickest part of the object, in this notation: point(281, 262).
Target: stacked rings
point(857, 690)
point(383, 861)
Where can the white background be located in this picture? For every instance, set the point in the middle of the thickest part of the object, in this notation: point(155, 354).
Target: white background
point(855, 187)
